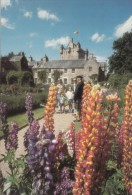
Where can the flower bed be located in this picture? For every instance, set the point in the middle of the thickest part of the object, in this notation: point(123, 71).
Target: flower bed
point(92, 161)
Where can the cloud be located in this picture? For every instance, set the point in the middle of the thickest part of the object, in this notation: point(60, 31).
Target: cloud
point(124, 27)
point(5, 3)
point(101, 58)
point(56, 42)
point(28, 14)
point(45, 15)
point(97, 37)
point(33, 34)
point(29, 45)
point(6, 23)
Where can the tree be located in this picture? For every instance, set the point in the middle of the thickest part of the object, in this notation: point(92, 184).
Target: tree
point(19, 77)
point(12, 77)
point(121, 61)
point(43, 75)
point(27, 78)
point(56, 75)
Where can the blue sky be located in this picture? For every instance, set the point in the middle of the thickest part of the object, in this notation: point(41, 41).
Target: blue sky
point(39, 27)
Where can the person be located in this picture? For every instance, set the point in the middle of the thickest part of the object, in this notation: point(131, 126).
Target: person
point(78, 96)
point(62, 102)
point(60, 89)
point(69, 94)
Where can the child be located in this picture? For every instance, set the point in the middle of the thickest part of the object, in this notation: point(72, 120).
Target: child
point(61, 102)
point(69, 95)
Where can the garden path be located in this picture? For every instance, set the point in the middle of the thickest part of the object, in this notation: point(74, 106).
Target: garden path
point(62, 122)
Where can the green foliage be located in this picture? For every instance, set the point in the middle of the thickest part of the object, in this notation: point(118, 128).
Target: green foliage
point(19, 77)
point(121, 60)
point(19, 178)
point(94, 78)
point(113, 184)
point(119, 81)
point(16, 103)
point(43, 75)
point(56, 75)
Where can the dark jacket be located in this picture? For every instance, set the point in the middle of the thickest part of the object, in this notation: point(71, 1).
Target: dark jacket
point(78, 91)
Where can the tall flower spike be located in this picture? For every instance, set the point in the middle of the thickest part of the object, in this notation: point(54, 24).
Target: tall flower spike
point(95, 143)
point(30, 114)
point(50, 108)
point(3, 118)
point(12, 139)
point(127, 139)
point(65, 185)
point(29, 107)
point(70, 140)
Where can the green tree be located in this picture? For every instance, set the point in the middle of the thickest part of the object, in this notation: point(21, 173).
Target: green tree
point(121, 60)
point(43, 75)
point(19, 77)
point(12, 77)
point(56, 75)
point(94, 78)
point(118, 80)
point(27, 78)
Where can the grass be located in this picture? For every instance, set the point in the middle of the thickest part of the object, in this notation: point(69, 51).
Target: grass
point(21, 119)
point(78, 126)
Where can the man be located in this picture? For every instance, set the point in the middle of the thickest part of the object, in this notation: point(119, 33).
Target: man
point(78, 96)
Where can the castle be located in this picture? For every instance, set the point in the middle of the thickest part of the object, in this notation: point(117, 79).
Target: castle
point(73, 61)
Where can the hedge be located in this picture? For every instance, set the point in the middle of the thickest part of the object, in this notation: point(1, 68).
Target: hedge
point(16, 104)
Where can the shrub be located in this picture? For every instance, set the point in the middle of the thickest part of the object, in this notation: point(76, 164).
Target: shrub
point(16, 104)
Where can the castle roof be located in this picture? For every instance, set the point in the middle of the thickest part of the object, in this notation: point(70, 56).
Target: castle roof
point(58, 64)
point(16, 58)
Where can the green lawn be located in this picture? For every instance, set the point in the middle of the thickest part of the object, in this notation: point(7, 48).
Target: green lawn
point(78, 126)
point(21, 119)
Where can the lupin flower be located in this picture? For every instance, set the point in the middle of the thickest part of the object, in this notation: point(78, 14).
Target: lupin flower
point(29, 107)
point(12, 138)
point(95, 143)
point(86, 89)
point(127, 139)
point(40, 159)
point(30, 114)
point(3, 118)
point(50, 108)
point(65, 185)
point(61, 149)
point(3, 112)
point(70, 139)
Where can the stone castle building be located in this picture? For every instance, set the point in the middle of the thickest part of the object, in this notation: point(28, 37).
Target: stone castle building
point(73, 61)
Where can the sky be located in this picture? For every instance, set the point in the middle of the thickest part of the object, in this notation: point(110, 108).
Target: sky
point(39, 27)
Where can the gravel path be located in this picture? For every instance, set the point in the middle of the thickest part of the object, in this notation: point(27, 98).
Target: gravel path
point(62, 122)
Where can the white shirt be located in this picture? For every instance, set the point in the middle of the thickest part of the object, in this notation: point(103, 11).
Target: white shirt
point(69, 95)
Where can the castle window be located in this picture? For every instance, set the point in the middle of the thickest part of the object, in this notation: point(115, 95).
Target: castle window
point(49, 80)
point(49, 70)
point(35, 80)
point(3, 70)
point(65, 80)
point(73, 70)
point(65, 70)
point(72, 81)
point(90, 68)
point(36, 75)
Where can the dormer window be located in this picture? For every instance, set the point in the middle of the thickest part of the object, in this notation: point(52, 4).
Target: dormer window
point(90, 69)
point(73, 70)
point(65, 70)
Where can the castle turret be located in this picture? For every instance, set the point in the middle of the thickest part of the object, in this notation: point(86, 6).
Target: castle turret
point(45, 59)
point(86, 54)
point(61, 49)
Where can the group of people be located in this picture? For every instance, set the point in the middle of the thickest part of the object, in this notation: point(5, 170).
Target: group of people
point(70, 98)
point(65, 98)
